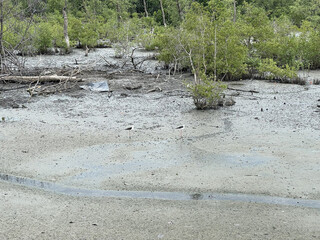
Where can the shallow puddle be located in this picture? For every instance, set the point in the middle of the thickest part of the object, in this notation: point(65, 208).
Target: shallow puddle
point(180, 196)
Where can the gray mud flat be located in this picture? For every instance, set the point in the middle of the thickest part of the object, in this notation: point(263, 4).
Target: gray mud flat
point(69, 169)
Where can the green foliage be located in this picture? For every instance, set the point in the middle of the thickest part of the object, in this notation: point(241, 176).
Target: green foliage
point(207, 94)
point(231, 53)
point(275, 8)
point(309, 46)
point(126, 34)
point(43, 37)
point(269, 70)
point(205, 45)
point(282, 47)
point(54, 5)
point(56, 22)
point(202, 36)
point(89, 33)
point(302, 10)
point(75, 29)
point(17, 35)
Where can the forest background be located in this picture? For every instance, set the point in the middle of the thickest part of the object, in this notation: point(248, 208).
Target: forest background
point(215, 40)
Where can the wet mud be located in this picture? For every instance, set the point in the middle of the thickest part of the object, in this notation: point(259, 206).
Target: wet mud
point(263, 150)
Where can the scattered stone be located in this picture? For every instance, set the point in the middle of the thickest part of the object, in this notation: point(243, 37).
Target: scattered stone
point(235, 94)
point(220, 103)
point(14, 105)
point(229, 102)
point(124, 95)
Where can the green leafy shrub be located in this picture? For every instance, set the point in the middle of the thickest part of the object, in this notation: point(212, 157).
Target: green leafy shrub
point(268, 69)
point(207, 94)
point(88, 35)
point(43, 38)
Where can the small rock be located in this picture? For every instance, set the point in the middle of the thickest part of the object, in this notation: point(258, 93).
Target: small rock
point(229, 102)
point(220, 102)
point(14, 105)
point(124, 95)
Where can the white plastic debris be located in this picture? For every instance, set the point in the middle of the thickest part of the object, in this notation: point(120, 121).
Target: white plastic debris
point(96, 87)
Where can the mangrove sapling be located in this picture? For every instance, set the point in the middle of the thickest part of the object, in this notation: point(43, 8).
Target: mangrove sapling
point(207, 92)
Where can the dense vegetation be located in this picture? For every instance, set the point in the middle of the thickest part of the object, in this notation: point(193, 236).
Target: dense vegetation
point(215, 39)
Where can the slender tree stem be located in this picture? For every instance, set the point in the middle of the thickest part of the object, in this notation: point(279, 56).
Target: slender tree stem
point(145, 8)
point(163, 15)
point(65, 26)
point(179, 9)
point(1, 36)
point(234, 10)
point(215, 52)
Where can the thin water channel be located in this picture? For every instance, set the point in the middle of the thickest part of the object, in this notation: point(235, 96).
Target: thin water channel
point(171, 196)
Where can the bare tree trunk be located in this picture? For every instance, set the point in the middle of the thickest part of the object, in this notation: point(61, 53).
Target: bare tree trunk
point(163, 15)
point(87, 51)
point(118, 14)
point(215, 52)
point(65, 26)
point(1, 37)
point(234, 10)
point(145, 8)
point(179, 9)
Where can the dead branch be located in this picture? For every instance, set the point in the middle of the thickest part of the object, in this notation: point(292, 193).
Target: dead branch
point(108, 63)
point(65, 83)
point(11, 89)
point(39, 79)
point(156, 89)
point(51, 89)
point(241, 90)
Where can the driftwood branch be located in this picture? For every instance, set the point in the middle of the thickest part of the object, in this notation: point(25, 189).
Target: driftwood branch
point(42, 79)
point(64, 83)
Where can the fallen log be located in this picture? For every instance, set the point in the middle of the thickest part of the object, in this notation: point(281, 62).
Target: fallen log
point(31, 79)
